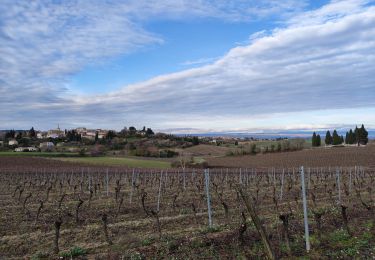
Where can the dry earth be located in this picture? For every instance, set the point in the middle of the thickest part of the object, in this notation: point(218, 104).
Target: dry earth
point(317, 157)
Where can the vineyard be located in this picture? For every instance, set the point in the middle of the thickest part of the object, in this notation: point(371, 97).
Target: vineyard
point(71, 210)
point(342, 156)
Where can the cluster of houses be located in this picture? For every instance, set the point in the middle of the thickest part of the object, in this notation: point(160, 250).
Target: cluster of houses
point(91, 133)
point(55, 134)
point(83, 131)
point(44, 145)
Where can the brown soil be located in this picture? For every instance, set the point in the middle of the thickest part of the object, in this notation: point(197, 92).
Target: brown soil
point(318, 157)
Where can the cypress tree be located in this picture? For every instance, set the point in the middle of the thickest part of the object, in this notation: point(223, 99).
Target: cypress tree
point(356, 135)
point(32, 133)
point(313, 140)
point(336, 139)
point(347, 138)
point(351, 137)
point(318, 140)
point(363, 135)
point(328, 139)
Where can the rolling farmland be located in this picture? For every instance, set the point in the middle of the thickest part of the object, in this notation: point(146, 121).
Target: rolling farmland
point(332, 156)
point(51, 208)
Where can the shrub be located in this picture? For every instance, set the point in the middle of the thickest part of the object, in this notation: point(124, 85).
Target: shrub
point(82, 152)
point(40, 256)
point(73, 252)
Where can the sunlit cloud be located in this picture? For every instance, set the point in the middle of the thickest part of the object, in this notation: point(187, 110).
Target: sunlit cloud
point(319, 60)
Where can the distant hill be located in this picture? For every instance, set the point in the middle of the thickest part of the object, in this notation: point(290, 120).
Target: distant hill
point(273, 135)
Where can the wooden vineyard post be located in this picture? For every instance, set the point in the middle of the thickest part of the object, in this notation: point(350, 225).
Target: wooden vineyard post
point(282, 185)
point(107, 183)
point(132, 187)
point(89, 182)
point(305, 217)
point(207, 184)
point(184, 176)
point(81, 186)
point(308, 183)
point(338, 184)
point(161, 181)
point(250, 208)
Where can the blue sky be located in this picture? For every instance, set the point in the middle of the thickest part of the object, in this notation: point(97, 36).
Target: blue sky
point(186, 44)
point(187, 66)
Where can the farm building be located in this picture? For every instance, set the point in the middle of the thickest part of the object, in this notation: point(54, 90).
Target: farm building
point(12, 142)
point(41, 135)
point(91, 133)
point(46, 145)
point(55, 133)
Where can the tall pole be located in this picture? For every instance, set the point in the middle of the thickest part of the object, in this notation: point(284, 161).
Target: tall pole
point(306, 222)
point(207, 182)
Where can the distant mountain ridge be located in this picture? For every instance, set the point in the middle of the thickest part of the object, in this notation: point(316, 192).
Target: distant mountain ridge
point(272, 135)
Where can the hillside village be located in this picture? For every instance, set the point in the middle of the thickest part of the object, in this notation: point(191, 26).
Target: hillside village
point(96, 142)
point(144, 142)
point(35, 140)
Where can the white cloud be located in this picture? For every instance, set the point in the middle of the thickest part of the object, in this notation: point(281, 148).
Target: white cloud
point(309, 67)
point(201, 61)
point(293, 61)
point(44, 42)
point(320, 60)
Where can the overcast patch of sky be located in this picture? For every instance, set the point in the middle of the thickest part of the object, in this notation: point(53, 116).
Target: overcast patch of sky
point(311, 64)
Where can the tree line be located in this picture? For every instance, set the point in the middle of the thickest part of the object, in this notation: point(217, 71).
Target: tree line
point(359, 136)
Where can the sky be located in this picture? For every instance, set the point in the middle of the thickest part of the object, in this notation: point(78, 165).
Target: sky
point(187, 66)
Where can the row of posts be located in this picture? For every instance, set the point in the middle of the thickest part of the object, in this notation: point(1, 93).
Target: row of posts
point(304, 198)
point(208, 198)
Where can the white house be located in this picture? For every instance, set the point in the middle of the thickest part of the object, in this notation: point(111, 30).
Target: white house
point(81, 130)
point(26, 149)
point(91, 133)
point(46, 145)
point(12, 142)
point(55, 133)
point(41, 135)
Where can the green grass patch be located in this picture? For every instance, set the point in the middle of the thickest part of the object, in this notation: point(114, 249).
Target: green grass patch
point(148, 241)
point(345, 245)
point(74, 252)
point(120, 161)
point(38, 154)
point(212, 229)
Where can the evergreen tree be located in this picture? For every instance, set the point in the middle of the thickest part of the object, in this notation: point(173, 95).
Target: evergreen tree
point(313, 140)
point(19, 136)
point(10, 134)
point(336, 139)
point(195, 140)
point(73, 136)
point(356, 135)
point(132, 130)
point(32, 133)
point(110, 135)
point(363, 135)
point(351, 137)
point(318, 140)
point(328, 139)
point(347, 138)
point(149, 132)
